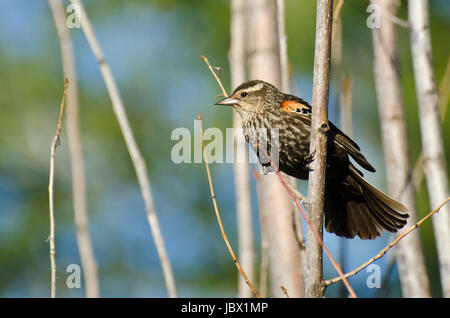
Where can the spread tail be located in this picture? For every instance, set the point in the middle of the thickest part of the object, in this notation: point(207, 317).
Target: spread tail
point(355, 207)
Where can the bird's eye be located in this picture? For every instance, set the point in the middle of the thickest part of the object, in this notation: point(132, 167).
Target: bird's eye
point(243, 94)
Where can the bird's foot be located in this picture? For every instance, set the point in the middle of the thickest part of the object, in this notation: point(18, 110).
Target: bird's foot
point(309, 159)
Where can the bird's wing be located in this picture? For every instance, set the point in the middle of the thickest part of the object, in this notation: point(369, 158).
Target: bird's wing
point(350, 146)
point(302, 110)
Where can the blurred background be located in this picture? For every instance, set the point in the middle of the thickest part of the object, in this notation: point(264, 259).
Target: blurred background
point(154, 48)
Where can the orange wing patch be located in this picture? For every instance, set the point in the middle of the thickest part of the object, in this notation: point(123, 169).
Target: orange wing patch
point(295, 107)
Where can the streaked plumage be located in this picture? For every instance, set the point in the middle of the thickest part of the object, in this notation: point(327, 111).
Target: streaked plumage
point(353, 207)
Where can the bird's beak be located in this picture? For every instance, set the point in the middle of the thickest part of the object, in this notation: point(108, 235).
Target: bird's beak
point(227, 101)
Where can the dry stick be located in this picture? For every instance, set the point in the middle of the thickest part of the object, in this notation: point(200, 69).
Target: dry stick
point(133, 149)
point(89, 265)
point(224, 92)
point(293, 196)
point(51, 238)
point(387, 248)
point(219, 219)
point(318, 144)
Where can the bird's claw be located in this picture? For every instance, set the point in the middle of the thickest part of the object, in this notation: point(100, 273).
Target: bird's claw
point(310, 157)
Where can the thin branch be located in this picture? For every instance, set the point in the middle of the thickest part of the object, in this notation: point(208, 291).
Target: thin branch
point(53, 146)
point(224, 92)
point(318, 144)
point(396, 20)
point(133, 149)
point(219, 219)
point(79, 201)
point(387, 248)
point(297, 194)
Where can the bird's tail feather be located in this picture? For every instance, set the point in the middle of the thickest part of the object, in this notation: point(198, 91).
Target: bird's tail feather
point(355, 207)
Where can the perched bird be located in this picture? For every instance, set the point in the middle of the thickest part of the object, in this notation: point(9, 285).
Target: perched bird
point(352, 205)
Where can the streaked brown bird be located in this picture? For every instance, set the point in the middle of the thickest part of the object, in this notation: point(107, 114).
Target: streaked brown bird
point(352, 205)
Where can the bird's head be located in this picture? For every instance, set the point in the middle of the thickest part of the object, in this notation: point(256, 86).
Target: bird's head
point(253, 97)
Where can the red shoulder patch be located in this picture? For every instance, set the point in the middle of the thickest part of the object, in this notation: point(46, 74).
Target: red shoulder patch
point(295, 107)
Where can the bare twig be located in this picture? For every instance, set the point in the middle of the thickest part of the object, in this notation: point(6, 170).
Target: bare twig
point(398, 21)
point(387, 248)
point(133, 149)
point(53, 146)
point(85, 249)
point(224, 92)
point(318, 144)
point(219, 219)
point(297, 194)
